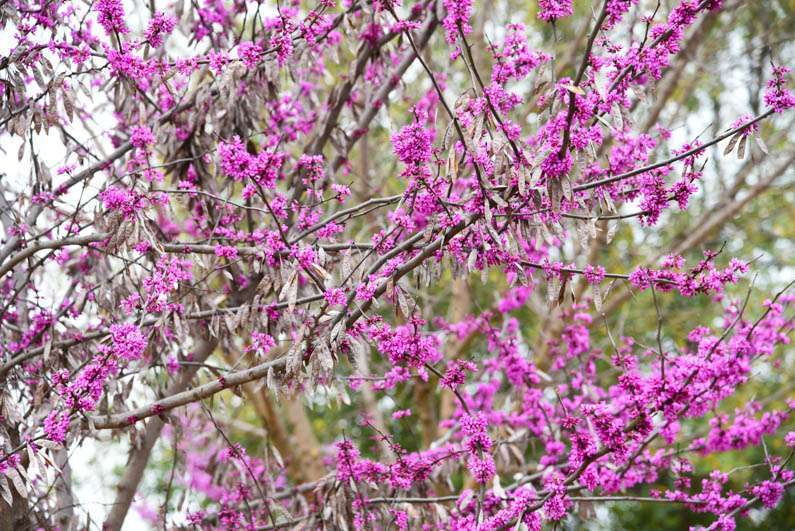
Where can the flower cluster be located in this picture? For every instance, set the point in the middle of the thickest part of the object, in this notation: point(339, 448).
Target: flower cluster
point(141, 137)
point(594, 275)
point(160, 25)
point(126, 202)
point(261, 343)
point(478, 444)
point(777, 96)
point(169, 272)
point(249, 53)
point(111, 16)
point(405, 345)
point(129, 342)
point(457, 18)
point(413, 144)
point(551, 10)
point(704, 278)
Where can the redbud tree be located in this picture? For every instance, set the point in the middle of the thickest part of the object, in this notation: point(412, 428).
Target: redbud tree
point(373, 264)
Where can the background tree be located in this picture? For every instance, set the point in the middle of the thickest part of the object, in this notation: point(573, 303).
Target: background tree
point(384, 264)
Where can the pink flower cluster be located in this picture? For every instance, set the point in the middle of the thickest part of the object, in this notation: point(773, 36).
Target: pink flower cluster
point(777, 96)
point(413, 144)
point(551, 10)
point(111, 16)
point(126, 202)
point(458, 15)
point(239, 164)
point(704, 278)
point(160, 26)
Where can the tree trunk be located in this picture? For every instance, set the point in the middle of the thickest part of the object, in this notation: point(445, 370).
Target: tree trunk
point(139, 457)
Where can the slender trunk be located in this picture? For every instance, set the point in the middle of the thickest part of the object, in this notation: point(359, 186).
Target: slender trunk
point(16, 517)
point(64, 512)
point(139, 457)
point(264, 408)
point(371, 408)
point(307, 449)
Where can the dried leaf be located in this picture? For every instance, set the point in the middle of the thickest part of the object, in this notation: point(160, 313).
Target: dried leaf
point(741, 147)
point(522, 181)
point(19, 484)
point(68, 103)
point(761, 144)
point(5, 491)
point(289, 290)
point(597, 297)
point(552, 290)
point(477, 130)
point(337, 330)
point(294, 360)
point(497, 488)
point(568, 193)
point(347, 264)
point(555, 190)
point(617, 117)
point(499, 200)
point(270, 379)
point(574, 89)
point(38, 77)
point(37, 121)
point(47, 350)
point(731, 144)
point(612, 228)
point(50, 445)
point(611, 206)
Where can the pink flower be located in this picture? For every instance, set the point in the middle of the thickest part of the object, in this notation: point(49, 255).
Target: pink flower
point(456, 373)
point(172, 365)
point(235, 160)
point(777, 96)
point(742, 120)
point(458, 14)
point(556, 166)
point(226, 251)
point(475, 428)
point(282, 41)
point(141, 137)
point(341, 190)
point(261, 343)
point(56, 426)
point(335, 296)
point(250, 53)
point(218, 61)
point(516, 60)
point(413, 144)
point(127, 202)
point(594, 275)
point(558, 504)
point(769, 492)
point(550, 10)
point(111, 16)
point(129, 342)
point(365, 291)
point(481, 468)
point(312, 168)
point(161, 24)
